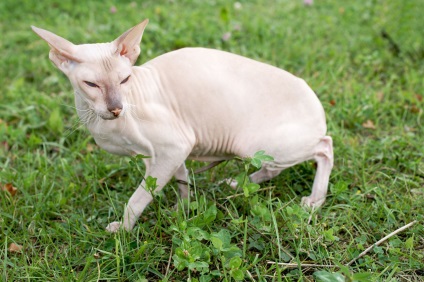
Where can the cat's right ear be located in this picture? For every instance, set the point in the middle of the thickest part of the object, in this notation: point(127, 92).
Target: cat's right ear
point(61, 50)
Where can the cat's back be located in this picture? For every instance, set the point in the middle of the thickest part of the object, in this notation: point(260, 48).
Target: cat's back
point(228, 74)
point(204, 82)
point(209, 61)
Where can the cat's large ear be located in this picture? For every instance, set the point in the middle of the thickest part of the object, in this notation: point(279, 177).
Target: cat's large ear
point(62, 51)
point(128, 44)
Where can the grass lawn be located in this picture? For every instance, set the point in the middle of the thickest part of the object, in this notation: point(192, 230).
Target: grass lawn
point(364, 59)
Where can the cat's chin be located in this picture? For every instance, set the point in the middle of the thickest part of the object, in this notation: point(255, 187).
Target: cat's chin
point(109, 117)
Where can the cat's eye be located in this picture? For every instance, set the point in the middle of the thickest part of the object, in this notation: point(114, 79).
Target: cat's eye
point(125, 80)
point(91, 84)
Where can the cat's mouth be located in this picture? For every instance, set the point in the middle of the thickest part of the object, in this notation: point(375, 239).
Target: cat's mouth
point(109, 117)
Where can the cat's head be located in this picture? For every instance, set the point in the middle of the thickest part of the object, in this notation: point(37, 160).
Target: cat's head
point(100, 73)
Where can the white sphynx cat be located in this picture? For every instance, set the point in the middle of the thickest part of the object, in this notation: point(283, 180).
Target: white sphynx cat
point(193, 103)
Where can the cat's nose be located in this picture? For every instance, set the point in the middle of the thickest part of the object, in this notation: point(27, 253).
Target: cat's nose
point(116, 111)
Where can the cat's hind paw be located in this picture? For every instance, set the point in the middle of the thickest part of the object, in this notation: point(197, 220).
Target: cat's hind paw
point(229, 181)
point(113, 227)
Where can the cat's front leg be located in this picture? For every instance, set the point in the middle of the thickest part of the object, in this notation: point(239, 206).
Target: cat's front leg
point(137, 203)
point(162, 169)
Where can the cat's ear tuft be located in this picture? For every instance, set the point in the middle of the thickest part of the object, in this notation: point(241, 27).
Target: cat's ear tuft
point(128, 44)
point(61, 50)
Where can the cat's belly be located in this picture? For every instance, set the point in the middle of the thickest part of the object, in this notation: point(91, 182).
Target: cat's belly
point(210, 158)
point(210, 151)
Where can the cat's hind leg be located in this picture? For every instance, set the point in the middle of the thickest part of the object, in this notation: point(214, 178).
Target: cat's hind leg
point(181, 176)
point(325, 159)
point(264, 174)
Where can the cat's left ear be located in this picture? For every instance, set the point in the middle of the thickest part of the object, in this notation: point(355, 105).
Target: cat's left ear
point(128, 44)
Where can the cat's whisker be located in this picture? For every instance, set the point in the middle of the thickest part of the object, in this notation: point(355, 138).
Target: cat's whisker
point(98, 122)
point(124, 126)
point(83, 120)
point(86, 116)
point(80, 122)
point(85, 100)
point(74, 128)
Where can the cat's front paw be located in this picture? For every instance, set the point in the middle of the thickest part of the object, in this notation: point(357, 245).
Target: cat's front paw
point(309, 202)
point(113, 227)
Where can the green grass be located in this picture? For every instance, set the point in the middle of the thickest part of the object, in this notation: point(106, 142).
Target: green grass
point(69, 189)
